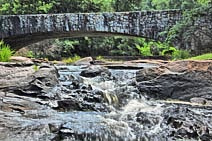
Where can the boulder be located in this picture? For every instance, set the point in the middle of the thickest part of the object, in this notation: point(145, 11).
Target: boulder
point(20, 59)
point(84, 61)
point(28, 80)
point(94, 70)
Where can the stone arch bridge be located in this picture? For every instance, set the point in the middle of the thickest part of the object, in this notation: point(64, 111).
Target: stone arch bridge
point(22, 30)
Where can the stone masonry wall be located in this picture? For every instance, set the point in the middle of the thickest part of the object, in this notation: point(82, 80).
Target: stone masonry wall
point(22, 30)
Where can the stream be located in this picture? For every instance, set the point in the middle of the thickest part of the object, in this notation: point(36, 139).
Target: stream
point(116, 117)
point(99, 104)
point(112, 109)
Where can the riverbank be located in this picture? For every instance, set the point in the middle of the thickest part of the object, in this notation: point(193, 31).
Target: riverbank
point(132, 100)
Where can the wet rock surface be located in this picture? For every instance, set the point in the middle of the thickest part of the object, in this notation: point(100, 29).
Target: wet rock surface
point(93, 71)
point(187, 86)
point(57, 103)
point(188, 122)
point(22, 89)
point(177, 80)
point(32, 81)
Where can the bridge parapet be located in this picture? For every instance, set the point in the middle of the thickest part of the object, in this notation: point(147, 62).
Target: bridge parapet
point(21, 30)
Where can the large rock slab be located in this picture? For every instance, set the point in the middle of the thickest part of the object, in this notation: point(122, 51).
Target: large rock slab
point(20, 59)
point(28, 80)
point(84, 61)
point(24, 89)
point(181, 80)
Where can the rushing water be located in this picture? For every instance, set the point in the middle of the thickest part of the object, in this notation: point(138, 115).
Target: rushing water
point(108, 107)
point(122, 99)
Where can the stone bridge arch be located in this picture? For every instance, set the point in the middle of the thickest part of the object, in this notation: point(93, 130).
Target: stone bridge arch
point(22, 30)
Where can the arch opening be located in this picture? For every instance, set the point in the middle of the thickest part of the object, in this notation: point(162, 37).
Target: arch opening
point(17, 42)
point(88, 44)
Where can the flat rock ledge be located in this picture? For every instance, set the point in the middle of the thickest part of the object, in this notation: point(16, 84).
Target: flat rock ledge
point(182, 80)
point(23, 87)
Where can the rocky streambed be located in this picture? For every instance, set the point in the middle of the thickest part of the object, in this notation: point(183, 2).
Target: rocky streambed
point(143, 102)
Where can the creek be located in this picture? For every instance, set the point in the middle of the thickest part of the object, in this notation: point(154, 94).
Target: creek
point(116, 110)
point(110, 107)
point(99, 104)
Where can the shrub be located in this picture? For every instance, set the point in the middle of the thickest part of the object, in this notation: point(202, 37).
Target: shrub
point(25, 52)
point(71, 59)
point(30, 54)
point(145, 50)
point(169, 51)
point(180, 54)
point(100, 58)
point(5, 52)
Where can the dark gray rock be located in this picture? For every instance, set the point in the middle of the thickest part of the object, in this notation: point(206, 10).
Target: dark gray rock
point(75, 110)
point(94, 71)
point(148, 74)
point(183, 122)
point(173, 82)
point(38, 84)
point(23, 94)
point(26, 80)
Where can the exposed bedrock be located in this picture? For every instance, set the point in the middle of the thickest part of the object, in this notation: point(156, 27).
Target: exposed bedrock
point(27, 79)
point(182, 80)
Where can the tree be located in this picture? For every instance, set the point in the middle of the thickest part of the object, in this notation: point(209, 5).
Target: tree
point(126, 5)
point(25, 7)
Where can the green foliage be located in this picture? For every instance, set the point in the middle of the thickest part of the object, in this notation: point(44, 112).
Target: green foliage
point(44, 7)
point(72, 6)
point(186, 30)
point(113, 45)
point(25, 7)
point(71, 60)
point(150, 47)
point(67, 46)
point(145, 49)
point(5, 52)
point(207, 56)
point(106, 5)
point(180, 54)
point(100, 58)
point(168, 51)
point(172, 4)
point(126, 5)
point(30, 54)
point(53, 6)
point(122, 46)
point(36, 67)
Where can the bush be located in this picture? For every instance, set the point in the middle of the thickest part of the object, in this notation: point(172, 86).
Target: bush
point(30, 54)
point(5, 52)
point(71, 59)
point(169, 51)
point(100, 58)
point(145, 50)
point(180, 54)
